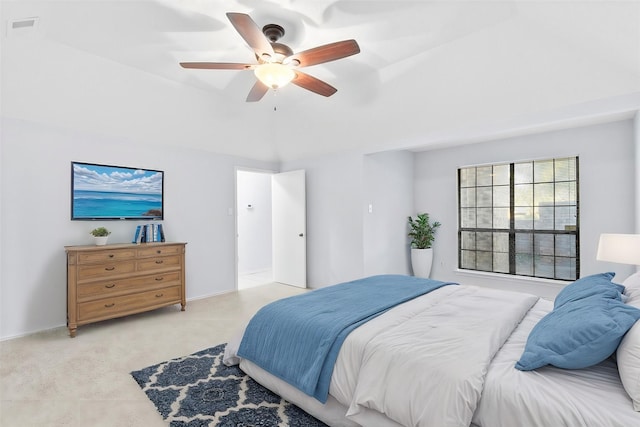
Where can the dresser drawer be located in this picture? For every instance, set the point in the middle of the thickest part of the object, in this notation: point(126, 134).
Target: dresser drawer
point(160, 250)
point(107, 288)
point(105, 270)
point(159, 263)
point(105, 256)
point(107, 308)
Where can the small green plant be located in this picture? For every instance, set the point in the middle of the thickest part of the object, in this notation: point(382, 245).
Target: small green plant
point(422, 231)
point(100, 232)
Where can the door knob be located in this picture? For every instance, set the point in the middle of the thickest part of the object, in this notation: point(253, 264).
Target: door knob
point(300, 234)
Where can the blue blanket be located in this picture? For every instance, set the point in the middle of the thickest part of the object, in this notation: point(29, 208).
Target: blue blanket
point(297, 339)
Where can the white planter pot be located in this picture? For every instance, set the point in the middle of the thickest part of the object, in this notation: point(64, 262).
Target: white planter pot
point(101, 240)
point(421, 260)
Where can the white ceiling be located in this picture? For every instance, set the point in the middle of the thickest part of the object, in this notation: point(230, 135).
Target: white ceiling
point(430, 73)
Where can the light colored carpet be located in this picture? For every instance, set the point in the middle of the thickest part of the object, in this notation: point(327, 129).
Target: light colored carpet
point(49, 379)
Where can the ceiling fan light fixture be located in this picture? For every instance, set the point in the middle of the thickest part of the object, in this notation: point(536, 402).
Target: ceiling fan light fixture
point(274, 75)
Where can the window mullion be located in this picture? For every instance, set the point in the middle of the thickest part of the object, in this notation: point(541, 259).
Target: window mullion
point(512, 220)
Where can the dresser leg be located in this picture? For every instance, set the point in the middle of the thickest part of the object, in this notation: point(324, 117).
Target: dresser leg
point(72, 332)
point(183, 305)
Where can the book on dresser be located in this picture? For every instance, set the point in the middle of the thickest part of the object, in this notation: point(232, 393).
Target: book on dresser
point(105, 282)
point(148, 233)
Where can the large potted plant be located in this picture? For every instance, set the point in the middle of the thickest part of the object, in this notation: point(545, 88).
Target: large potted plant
point(422, 232)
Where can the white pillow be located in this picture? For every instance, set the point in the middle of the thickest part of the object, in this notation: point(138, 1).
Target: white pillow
point(632, 289)
point(628, 353)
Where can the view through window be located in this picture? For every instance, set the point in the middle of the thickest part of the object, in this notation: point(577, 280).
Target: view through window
point(520, 218)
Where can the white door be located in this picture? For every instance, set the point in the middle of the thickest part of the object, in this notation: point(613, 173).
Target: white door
point(289, 228)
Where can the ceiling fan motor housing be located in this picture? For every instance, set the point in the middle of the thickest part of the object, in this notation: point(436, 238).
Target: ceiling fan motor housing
point(273, 33)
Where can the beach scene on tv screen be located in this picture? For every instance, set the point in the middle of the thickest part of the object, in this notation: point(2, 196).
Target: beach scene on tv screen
point(116, 192)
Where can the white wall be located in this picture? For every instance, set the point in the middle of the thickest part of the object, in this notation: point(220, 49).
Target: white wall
point(607, 193)
point(344, 241)
point(636, 146)
point(2, 227)
point(334, 217)
point(254, 221)
point(35, 224)
point(388, 188)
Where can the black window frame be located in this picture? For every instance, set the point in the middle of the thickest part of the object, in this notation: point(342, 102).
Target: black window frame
point(543, 243)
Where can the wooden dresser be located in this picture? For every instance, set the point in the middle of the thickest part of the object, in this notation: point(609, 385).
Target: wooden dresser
point(104, 282)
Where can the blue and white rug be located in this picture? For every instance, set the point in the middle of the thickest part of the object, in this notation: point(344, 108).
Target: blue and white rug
point(199, 390)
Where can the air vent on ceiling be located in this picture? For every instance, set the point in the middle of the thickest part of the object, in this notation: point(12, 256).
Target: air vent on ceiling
point(22, 26)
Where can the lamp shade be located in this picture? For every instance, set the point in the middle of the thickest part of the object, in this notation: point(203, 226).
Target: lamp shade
point(274, 75)
point(620, 248)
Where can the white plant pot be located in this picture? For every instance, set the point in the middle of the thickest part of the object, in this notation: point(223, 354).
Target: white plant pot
point(421, 260)
point(101, 240)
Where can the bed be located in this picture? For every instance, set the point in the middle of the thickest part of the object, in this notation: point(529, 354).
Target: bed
point(448, 356)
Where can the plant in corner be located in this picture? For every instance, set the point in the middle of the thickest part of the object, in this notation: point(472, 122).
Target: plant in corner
point(422, 231)
point(422, 236)
point(101, 234)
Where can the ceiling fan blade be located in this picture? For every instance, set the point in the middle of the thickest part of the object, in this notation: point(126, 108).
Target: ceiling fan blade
point(313, 84)
point(325, 53)
point(251, 33)
point(257, 91)
point(217, 65)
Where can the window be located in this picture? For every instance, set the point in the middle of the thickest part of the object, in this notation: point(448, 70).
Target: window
point(520, 218)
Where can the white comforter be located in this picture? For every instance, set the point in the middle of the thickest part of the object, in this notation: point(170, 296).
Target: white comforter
point(424, 362)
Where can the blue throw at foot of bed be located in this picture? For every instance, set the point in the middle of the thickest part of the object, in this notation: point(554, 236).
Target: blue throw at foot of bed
point(298, 339)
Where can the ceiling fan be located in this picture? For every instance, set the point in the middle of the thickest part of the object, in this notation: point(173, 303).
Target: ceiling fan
point(277, 64)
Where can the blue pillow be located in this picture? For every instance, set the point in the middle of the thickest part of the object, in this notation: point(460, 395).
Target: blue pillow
point(578, 334)
point(594, 285)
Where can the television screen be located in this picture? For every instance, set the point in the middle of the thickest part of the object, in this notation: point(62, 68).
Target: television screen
point(115, 192)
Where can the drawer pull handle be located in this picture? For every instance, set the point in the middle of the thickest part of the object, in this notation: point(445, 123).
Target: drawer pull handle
point(159, 261)
point(109, 286)
point(159, 295)
point(109, 305)
point(159, 278)
point(109, 268)
point(110, 255)
point(159, 251)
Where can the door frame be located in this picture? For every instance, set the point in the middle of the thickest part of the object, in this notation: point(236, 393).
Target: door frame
point(235, 211)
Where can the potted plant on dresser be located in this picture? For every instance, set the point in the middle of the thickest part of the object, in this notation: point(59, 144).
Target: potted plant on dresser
point(422, 236)
point(101, 235)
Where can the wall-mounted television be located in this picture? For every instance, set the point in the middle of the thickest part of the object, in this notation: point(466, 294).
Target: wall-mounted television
point(116, 192)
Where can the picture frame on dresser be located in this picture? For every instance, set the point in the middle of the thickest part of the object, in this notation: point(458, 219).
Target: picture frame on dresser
point(111, 281)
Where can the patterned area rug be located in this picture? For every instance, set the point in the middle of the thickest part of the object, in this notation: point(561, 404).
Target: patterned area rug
point(199, 390)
